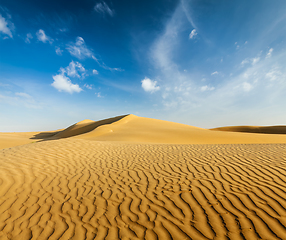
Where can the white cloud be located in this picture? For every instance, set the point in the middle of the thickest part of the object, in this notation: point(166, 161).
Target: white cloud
point(269, 53)
point(41, 35)
point(5, 28)
point(193, 34)
point(245, 61)
point(88, 86)
point(103, 8)
point(79, 49)
point(215, 73)
point(149, 86)
point(246, 86)
point(255, 60)
point(63, 83)
point(74, 69)
point(207, 88)
point(59, 51)
point(275, 75)
point(98, 95)
point(28, 38)
point(95, 72)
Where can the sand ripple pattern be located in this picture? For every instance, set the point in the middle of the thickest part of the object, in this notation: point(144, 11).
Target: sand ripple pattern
point(78, 189)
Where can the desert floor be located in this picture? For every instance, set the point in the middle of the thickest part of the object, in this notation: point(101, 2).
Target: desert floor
point(138, 178)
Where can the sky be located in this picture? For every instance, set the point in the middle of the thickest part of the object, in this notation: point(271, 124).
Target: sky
point(204, 63)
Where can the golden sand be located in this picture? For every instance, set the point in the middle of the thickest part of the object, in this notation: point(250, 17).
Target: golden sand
point(137, 178)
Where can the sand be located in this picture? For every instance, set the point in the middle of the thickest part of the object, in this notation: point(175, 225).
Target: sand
point(138, 178)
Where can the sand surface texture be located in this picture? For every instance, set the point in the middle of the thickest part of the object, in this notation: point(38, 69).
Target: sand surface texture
point(95, 185)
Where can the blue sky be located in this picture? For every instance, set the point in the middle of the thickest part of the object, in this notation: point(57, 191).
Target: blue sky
point(202, 63)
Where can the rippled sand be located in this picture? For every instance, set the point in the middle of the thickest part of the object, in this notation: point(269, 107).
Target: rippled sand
point(72, 188)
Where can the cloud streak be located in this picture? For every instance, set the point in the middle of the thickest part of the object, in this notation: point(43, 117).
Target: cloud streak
point(6, 26)
point(42, 37)
point(103, 8)
point(79, 49)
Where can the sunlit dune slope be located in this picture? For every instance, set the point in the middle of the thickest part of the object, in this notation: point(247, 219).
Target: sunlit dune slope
point(8, 140)
point(130, 128)
point(254, 129)
point(139, 129)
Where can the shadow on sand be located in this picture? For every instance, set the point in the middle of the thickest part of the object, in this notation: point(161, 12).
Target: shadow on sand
point(75, 129)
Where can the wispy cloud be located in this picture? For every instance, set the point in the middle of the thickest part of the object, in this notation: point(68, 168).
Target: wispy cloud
point(88, 86)
point(79, 49)
point(95, 72)
point(193, 34)
point(29, 36)
point(41, 35)
point(6, 26)
point(59, 51)
point(22, 94)
point(246, 86)
point(149, 85)
point(269, 53)
point(214, 73)
point(75, 69)
point(253, 61)
point(207, 88)
point(20, 99)
point(103, 8)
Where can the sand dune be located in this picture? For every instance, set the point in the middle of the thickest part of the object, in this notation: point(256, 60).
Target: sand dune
point(128, 178)
point(146, 130)
point(130, 128)
point(254, 129)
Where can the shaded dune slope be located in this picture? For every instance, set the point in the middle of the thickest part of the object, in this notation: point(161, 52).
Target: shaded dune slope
point(254, 129)
point(77, 189)
point(84, 127)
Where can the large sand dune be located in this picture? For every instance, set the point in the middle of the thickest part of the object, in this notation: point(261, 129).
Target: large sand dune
point(136, 178)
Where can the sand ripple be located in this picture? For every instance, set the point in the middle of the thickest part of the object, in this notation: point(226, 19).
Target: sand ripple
point(78, 189)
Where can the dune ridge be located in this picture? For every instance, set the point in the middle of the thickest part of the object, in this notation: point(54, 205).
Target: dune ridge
point(84, 127)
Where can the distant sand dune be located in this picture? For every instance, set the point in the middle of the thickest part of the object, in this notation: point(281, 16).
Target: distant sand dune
point(254, 129)
point(78, 189)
